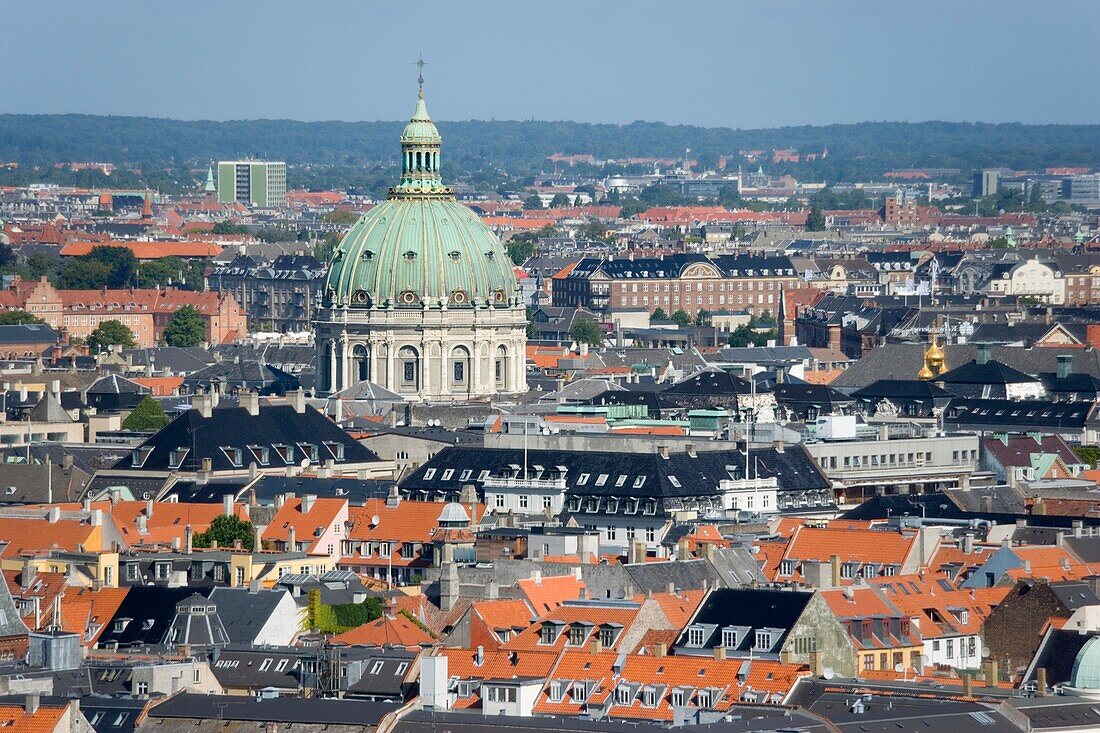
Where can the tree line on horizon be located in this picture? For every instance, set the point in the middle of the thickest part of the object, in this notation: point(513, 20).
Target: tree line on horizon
point(488, 154)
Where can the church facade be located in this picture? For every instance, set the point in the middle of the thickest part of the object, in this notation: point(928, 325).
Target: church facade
point(421, 297)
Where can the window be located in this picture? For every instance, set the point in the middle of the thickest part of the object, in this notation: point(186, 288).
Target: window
point(429, 474)
point(577, 635)
point(649, 697)
point(703, 699)
point(141, 688)
point(763, 641)
point(447, 474)
point(580, 691)
point(677, 698)
point(695, 636)
point(869, 662)
point(281, 666)
point(622, 695)
point(729, 638)
point(548, 634)
point(612, 532)
point(265, 665)
point(583, 479)
point(602, 479)
point(786, 567)
point(547, 502)
point(555, 691)
point(650, 534)
point(950, 648)
point(523, 501)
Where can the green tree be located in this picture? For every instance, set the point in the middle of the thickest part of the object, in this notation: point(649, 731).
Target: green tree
point(186, 328)
point(110, 333)
point(594, 230)
point(998, 243)
point(519, 250)
point(559, 200)
point(17, 318)
point(148, 415)
point(702, 318)
point(659, 314)
point(224, 531)
point(681, 318)
point(228, 227)
point(532, 202)
point(339, 216)
point(324, 248)
point(81, 274)
point(1089, 454)
point(815, 222)
point(586, 331)
point(532, 331)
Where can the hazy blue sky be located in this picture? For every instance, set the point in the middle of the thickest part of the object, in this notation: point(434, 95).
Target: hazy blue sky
point(743, 63)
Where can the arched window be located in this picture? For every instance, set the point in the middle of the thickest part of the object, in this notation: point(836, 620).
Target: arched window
point(323, 367)
point(460, 368)
point(408, 376)
point(500, 367)
point(362, 362)
point(419, 161)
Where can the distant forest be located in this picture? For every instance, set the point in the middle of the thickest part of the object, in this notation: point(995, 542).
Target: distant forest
point(496, 153)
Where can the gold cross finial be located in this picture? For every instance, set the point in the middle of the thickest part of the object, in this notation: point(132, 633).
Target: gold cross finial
point(421, 63)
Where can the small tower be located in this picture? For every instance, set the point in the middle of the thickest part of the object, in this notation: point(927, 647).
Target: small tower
point(210, 186)
point(147, 206)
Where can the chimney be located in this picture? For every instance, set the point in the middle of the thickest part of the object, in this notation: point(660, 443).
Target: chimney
point(968, 543)
point(207, 465)
point(297, 400)
point(250, 401)
point(1078, 528)
point(968, 685)
point(834, 562)
point(204, 403)
point(660, 649)
point(778, 444)
point(719, 652)
point(308, 500)
point(227, 504)
point(257, 538)
point(690, 450)
point(1041, 681)
point(594, 646)
point(149, 508)
point(991, 674)
point(984, 352)
point(1065, 365)
point(54, 515)
point(291, 540)
point(188, 539)
point(26, 577)
point(479, 656)
point(662, 450)
point(30, 704)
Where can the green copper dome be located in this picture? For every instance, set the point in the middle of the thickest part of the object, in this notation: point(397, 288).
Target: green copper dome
point(420, 248)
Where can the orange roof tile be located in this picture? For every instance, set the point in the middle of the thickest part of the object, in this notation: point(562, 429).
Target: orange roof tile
point(395, 630)
point(160, 386)
point(546, 594)
point(16, 719)
point(679, 607)
point(33, 535)
point(531, 638)
point(504, 613)
point(148, 250)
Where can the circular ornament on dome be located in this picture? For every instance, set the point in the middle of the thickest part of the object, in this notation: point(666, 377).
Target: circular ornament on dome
point(460, 297)
point(361, 297)
point(408, 297)
point(500, 297)
point(367, 255)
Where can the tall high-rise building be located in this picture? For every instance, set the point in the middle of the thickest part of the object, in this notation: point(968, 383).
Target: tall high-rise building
point(257, 183)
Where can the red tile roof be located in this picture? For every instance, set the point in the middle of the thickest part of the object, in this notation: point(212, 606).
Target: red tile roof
point(395, 630)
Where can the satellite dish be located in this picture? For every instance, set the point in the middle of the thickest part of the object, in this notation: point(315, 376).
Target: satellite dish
point(899, 667)
point(374, 521)
point(828, 673)
point(304, 463)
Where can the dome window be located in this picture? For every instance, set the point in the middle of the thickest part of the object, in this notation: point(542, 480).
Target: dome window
point(456, 255)
point(368, 255)
point(489, 254)
point(361, 297)
point(410, 255)
point(500, 297)
point(460, 297)
point(409, 298)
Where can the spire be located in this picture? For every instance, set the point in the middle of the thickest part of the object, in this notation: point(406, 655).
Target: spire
point(210, 187)
point(420, 152)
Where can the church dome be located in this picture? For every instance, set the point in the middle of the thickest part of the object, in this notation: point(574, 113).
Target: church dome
point(1086, 667)
point(420, 248)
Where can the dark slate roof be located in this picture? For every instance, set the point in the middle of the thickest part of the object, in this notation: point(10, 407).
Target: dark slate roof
point(750, 607)
point(942, 506)
point(203, 492)
point(1017, 415)
point(1017, 450)
point(904, 360)
point(240, 667)
point(1057, 654)
point(243, 612)
point(389, 677)
point(808, 394)
point(1074, 594)
point(28, 333)
point(901, 389)
point(150, 611)
point(1071, 383)
point(672, 266)
point(763, 354)
point(277, 710)
point(992, 372)
point(11, 622)
point(710, 383)
point(235, 428)
point(174, 359)
point(114, 384)
point(748, 720)
point(1060, 713)
point(647, 475)
point(111, 714)
point(354, 490)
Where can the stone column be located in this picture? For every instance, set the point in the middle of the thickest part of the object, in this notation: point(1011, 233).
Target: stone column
point(345, 361)
point(372, 356)
point(331, 366)
point(391, 383)
point(425, 368)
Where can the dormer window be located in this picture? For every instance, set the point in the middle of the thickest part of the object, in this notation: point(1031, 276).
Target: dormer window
point(623, 695)
point(695, 636)
point(139, 456)
point(763, 641)
point(286, 452)
point(261, 453)
point(786, 567)
point(234, 455)
point(336, 450)
point(177, 456)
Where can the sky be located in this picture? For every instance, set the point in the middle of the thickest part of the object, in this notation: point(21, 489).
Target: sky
point(729, 63)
